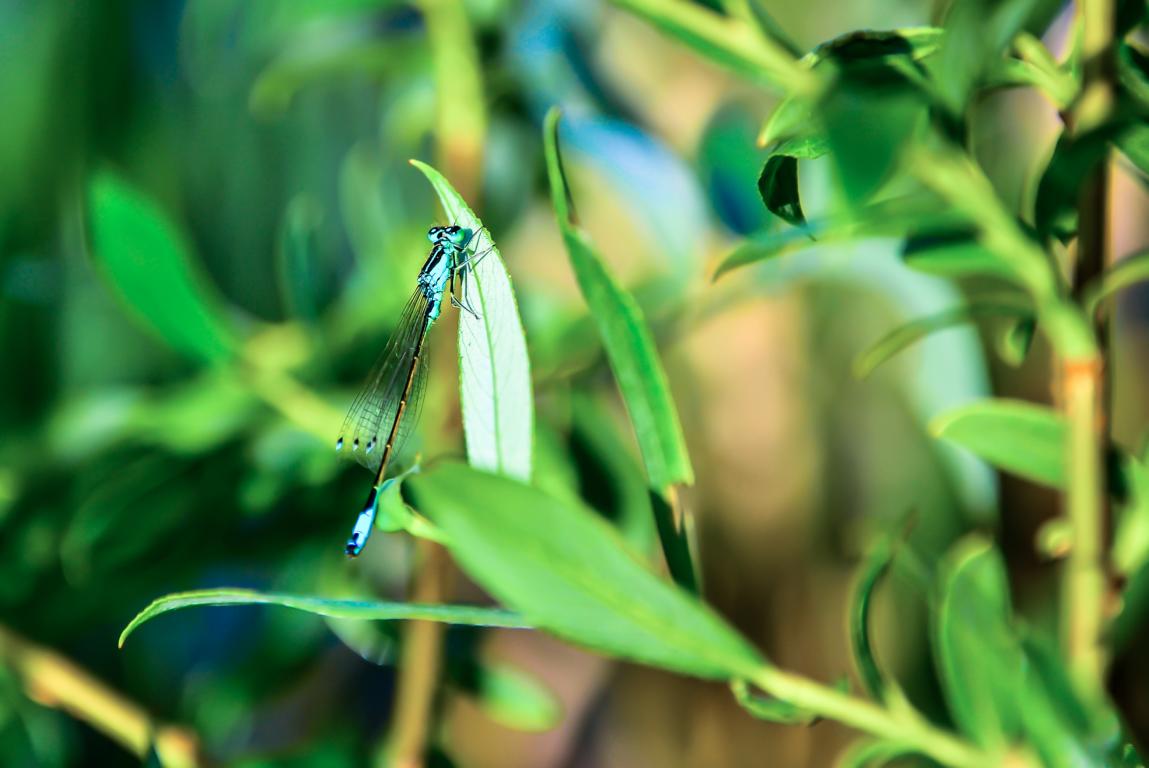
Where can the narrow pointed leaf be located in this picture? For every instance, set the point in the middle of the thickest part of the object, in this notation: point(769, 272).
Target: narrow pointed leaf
point(907, 334)
point(1127, 272)
point(149, 264)
point(629, 345)
point(340, 609)
point(726, 41)
point(568, 572)
point(494, 369)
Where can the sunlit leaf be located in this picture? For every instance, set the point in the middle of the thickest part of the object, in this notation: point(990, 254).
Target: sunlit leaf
point(726, 41)
point(342, 609)
point(569, 573)
point(495, 371)
point(148, 262)
point(629, 346)
point(1019, 437)
point(979, 659)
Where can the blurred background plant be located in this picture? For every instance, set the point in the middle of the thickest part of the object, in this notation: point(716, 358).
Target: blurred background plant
point(208, 224)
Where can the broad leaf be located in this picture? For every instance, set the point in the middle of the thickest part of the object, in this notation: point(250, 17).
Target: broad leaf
point(494, 369)
point(568, 572)
point(980, 660)
point(628, 342)
point(148, 262)
point(341, 609)
point(1018, 437)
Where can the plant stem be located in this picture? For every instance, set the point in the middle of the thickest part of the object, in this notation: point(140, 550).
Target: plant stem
point(54, 681)
point(1083, 379)
point(419, 668)
point(904, 728)
point(460, 114)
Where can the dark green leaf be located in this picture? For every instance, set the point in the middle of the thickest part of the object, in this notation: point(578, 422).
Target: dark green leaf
point(1133, 142)
point(629, 345)
point(876, 566)
point(778, 182)
point(1074, 157)
point(569, 573)
point(149, 263)
point(1133, 74)
point(300, 276)
point(342, 609)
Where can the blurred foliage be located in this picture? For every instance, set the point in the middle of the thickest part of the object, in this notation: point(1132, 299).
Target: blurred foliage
point(208, 226)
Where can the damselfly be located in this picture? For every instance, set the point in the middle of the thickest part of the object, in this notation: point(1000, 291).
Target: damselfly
point(388, 405)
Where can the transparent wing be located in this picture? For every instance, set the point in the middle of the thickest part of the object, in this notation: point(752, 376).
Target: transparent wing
point(372, 413)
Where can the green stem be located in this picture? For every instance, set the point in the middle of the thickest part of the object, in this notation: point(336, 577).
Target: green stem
point(904, 728)
point(1083, 379)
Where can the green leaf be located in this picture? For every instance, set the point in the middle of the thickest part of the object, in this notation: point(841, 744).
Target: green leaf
point(513, 698)
point(569, 573)
point(977, 34)
point(1125, 273)
point(1018, 437)
point(726, 41)
point(1074, 157)
point(1133, 141)
point(769, 708)
point(627, 339)
point(1133, 74)
point(340, 609)
point(494, 369)
point(300, 273)
point(875, 568)
point(889, 218)
point(1014, 339)
point(979, 659)
point(907, 334)
point(873, 753)
point(149, 263)
point(778, 182)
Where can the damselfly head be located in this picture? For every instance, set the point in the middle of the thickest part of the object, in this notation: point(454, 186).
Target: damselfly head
point(453, 235)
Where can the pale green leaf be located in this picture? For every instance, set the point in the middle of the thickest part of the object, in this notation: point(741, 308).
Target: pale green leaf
point(494, 369)
point(1015, 436)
